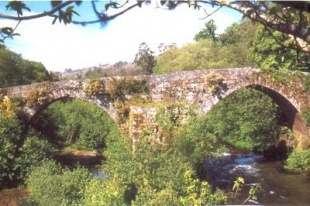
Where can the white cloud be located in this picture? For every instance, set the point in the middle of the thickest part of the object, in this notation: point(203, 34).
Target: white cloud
point(72, 46)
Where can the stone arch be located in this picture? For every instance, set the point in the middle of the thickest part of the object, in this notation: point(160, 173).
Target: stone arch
point(294, 118)
point(103, 103)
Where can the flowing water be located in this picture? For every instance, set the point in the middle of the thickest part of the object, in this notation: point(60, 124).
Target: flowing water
point(277, 187)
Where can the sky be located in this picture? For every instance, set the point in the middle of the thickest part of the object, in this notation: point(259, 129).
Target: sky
point(70, 46)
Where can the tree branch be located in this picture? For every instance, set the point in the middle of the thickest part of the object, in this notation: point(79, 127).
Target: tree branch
point(48, 13)
point(296, 30)
point(104, 18)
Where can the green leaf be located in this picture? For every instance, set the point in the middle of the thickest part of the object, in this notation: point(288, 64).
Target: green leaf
point(7, 30)
point(55, 19)
point(17, 6)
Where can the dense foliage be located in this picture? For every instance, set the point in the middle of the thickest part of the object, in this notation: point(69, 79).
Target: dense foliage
point(211, 51)
point(19, 151)
point(28, 72)
point(75, 123)
point(299, 161)
point(149, 174)
point(119, 88)
point(272, 50)
point(146, 177)
point(247, 118)
point(50, 184)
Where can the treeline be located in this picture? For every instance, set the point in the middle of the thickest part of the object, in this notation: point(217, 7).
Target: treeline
point(14, 70)
point(242, 44)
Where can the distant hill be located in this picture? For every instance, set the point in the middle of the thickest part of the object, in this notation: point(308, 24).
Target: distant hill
point(117, 69)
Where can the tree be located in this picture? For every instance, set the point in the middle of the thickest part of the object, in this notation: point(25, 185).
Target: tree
point(208, 32)
point(145, 58)
point(230, 50)
point(276, 53)
point(28, 71)
point(289, 17)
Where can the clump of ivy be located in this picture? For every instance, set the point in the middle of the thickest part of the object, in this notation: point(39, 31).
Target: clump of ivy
point(95, 87)
point(122, 111)
point(38, 95)
point(119, 88)
point(214, 82)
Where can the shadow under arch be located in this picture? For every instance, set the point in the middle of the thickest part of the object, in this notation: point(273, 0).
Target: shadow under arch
point(294, 119)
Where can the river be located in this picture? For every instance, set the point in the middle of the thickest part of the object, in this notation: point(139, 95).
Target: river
point(277, 186)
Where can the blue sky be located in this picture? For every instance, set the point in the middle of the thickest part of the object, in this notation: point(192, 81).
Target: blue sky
point(61, 46)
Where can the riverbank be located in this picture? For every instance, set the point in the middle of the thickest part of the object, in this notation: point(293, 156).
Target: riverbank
point(13, 197)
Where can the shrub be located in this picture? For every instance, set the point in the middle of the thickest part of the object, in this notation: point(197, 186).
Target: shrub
point(214, 82)
point(10, 137)
point(76, 123)
point(32, 153)
point(95, 87)
point(52, 185)
point(8, 106)
point(298, 161)
point(118, 88)
point(38, 95)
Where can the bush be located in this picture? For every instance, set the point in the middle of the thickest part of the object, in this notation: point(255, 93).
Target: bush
point(298, 161)
point(38, 95)
point(52, 185)
point(95, 87)
point(32, 153)
point(126, 86)
point(76, 123)
point(10, 137)
point(145, 178)
point(196, 142)
point(246, 118)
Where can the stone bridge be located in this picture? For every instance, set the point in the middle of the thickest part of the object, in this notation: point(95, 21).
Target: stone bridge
point(201, 88)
